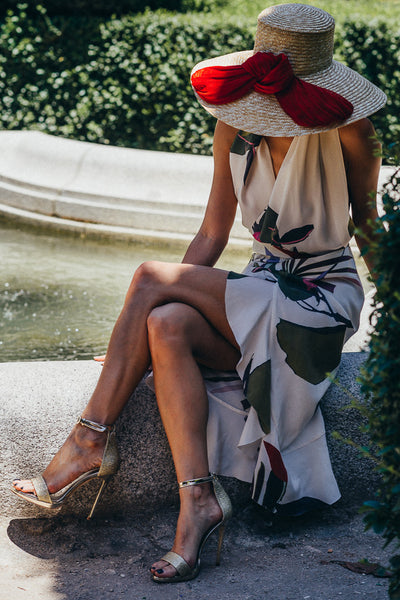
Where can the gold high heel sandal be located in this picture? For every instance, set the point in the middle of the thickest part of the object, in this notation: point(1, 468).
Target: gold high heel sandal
point(185, 571)
point(108, 468)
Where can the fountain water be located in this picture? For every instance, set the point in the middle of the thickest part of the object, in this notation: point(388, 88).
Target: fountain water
point(60, 295)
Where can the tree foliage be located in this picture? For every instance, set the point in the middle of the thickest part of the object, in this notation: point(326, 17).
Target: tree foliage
point(380, 376)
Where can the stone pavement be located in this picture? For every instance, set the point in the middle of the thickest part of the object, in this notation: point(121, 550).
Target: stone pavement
point(69, 558)
point(61, 556)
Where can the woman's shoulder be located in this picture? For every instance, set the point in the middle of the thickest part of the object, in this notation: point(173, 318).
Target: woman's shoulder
point(224, 134)
point(359, 131)
point(360, 145)
point(361, 148)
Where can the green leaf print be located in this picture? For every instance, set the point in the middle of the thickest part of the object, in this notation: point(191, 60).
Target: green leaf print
point(311, 352)
point(293, 286)
point(258, 393)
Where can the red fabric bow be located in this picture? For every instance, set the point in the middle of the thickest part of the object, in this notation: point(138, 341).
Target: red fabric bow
point(266, 73)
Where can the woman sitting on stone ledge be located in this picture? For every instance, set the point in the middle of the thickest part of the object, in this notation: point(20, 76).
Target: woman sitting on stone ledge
point(240, 361)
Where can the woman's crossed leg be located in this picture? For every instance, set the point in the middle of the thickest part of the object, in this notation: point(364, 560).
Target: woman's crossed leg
point(173, 317)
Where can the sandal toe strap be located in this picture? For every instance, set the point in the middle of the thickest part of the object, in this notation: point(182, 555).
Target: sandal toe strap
point(41, 489)
point(178, 562)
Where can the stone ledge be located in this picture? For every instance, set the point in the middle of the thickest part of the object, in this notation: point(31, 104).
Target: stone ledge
point(63, 183)
point(41, 401)
point(107, 191)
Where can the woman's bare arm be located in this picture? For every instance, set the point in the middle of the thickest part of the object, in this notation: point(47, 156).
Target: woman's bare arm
point(361, 152)
point(213, 234)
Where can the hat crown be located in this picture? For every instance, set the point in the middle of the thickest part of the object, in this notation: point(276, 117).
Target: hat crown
point(305, 34)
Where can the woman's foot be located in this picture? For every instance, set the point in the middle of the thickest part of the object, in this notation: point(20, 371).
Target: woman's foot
point(81, 452)
point(199, 512)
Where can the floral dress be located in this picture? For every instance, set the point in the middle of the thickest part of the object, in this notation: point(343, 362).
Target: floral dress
point(291, 310)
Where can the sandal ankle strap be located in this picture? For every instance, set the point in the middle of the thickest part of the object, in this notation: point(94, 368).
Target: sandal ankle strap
point(197, 481)
point(95, 426)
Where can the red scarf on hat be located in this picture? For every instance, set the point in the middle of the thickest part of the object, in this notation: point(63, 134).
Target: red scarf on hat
point(266, 73)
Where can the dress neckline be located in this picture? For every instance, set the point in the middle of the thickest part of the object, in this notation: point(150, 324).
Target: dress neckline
point(285, 159)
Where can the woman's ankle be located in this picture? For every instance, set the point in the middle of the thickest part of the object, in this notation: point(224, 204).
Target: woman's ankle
point(197, 493)
point(88, 438)
point(200, 500)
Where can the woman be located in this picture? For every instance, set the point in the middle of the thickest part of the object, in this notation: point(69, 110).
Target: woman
point(280, 325)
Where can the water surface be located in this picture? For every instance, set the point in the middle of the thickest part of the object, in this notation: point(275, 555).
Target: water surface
point(60, 295)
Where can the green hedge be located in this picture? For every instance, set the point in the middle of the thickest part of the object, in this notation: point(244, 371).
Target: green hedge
point(109, 7)
point(380, 378)
point(122, 81)
point(125, 81)
point(374, 51)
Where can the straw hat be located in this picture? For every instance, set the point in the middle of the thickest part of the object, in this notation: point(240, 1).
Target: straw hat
point(305, 35)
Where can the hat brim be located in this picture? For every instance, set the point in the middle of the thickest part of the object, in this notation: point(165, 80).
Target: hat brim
point(262, 114)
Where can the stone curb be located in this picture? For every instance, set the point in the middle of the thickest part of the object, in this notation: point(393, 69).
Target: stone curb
point(41, 401)
point(106, 191)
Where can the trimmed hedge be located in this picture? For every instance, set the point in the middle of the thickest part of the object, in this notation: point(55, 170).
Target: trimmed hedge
point(374, 51)
point(380, 378)
point(110, 7)
point(125, 81)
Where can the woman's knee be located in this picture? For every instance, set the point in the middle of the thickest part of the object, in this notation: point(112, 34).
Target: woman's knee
point(145, 280)
point(147, 273)
point(170, 322)
point(152, 273)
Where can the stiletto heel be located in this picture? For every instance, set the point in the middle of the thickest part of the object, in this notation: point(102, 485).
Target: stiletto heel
point(102, 487)
point(220, 540)
point(108, 468)
point(185, 571)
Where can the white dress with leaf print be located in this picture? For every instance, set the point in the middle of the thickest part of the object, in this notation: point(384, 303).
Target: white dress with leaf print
point(295, 304)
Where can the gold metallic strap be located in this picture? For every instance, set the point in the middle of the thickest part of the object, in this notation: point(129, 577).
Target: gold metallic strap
point(95, 426)
point(198, 481)
point(41, 490)
point(178, 562)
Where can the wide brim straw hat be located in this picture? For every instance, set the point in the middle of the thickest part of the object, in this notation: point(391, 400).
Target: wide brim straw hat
point(305, 34)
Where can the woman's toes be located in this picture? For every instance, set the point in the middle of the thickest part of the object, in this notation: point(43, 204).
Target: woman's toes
point(168, 571)
point(22, 485)
point(160, 564)
point(163, 569)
